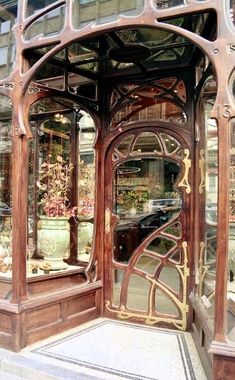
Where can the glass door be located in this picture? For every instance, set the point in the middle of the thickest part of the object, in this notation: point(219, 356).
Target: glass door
point(147, 228)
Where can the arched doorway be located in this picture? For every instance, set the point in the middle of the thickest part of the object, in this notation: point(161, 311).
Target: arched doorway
point(84, 51)
point(148, 207)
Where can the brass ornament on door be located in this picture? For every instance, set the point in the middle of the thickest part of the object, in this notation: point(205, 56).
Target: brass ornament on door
point(107, 221)
point(187, 165)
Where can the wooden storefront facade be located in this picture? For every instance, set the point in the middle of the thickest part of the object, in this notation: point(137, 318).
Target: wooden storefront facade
point(118, 118)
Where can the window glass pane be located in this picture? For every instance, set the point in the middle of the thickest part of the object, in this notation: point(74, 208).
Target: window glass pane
point(61, 187)
point(8, 14)
point(232, 10)
point(35, 6)
point(231, 258)
point(208, 245)
point(145, 200)
point(86, 186)
point(5, 197)
point(161, 4)
point(49, 24)
point(103, 11)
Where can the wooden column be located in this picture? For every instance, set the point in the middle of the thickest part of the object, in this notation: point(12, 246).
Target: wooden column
point(74, 151)
point(19, 214)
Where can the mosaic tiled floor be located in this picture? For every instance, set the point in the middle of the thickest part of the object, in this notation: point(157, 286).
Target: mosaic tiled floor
point(127, 351)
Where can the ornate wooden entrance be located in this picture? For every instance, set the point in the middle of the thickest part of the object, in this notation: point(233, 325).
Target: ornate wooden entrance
point(147, 212)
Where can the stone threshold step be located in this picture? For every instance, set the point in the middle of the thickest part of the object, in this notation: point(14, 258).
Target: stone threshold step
point(29, 366)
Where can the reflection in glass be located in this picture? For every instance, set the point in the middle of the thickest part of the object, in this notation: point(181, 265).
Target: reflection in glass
point(138, 290)
point(117, 285)
point(8, 15)
point(170, 277)
point(103, 11)
point(62, 139)
point(144, 200)
point(124, 145)
point(147, 264)
point(232, 10)
point(161, 246)
point(35, 6)
point(156, 109)
point(86, 186)
point(174, 230)
point(209, 185)
point(164, 305)
point(85, 235)
point(5, 188)
point(147, 142)
point(49, 24)
point(170, 143)
point(231, 257)
point(162, 4)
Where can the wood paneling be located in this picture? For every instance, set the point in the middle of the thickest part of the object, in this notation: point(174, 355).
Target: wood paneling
point(79, 304)
point(5, 323)
point(43, 316)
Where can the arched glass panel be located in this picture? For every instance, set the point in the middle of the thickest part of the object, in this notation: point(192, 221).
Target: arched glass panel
point(86, 11)
point(155, 109)
point(48, 24)
point(8, 14)
point(5, 197)
point(147, 142)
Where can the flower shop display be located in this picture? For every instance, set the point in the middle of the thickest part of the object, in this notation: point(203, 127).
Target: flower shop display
point(53, 226)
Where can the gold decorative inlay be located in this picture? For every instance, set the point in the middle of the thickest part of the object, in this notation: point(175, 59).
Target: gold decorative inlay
point(202, 171)
point(202, 269)
point(107, 220)
point(187, 165)
point(149, 318)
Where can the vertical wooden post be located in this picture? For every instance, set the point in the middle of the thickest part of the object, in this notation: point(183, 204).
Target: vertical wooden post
point(74, 150)
point(19, 214)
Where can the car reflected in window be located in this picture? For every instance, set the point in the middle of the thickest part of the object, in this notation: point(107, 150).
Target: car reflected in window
point(129, 236)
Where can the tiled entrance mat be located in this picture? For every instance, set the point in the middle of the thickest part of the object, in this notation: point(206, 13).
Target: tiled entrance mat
point(126, 350)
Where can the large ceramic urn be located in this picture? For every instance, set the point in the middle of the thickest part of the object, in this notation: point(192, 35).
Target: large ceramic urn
point(53, 240)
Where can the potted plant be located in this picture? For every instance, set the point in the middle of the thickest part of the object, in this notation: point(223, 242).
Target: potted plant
point(55, 211)
point(133, 200)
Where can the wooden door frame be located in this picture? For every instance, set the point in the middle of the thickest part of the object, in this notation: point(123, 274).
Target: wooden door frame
point(186, 138)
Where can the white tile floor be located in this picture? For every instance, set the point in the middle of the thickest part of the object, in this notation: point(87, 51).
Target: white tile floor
point(106, 349)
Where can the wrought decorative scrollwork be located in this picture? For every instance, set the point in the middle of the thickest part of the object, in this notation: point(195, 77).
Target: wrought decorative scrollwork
point(202, 171)
point(187, 165)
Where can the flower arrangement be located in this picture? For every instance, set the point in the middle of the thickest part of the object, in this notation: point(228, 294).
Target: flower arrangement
point(54, 187)
point(86, 207)
point(133, 198)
